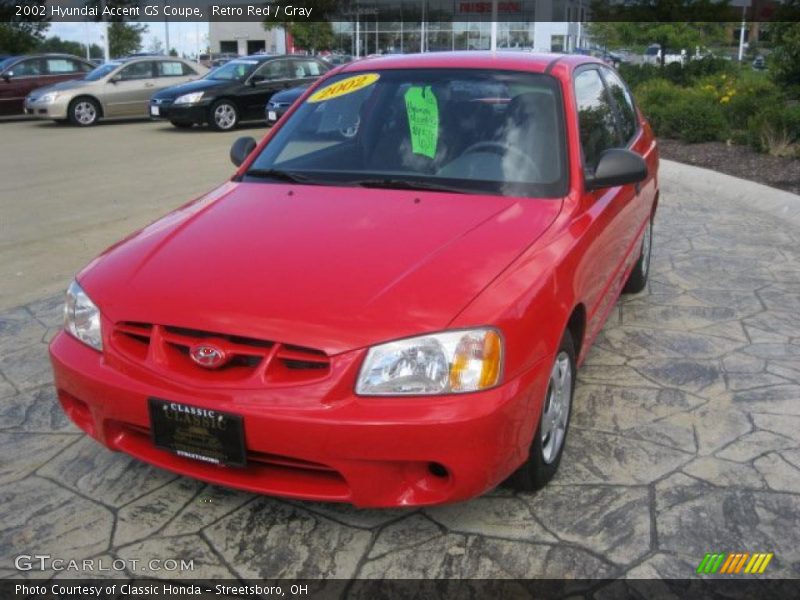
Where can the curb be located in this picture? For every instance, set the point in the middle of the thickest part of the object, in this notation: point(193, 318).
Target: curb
point(756, 196)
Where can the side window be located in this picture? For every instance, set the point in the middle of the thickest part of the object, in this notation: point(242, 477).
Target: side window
point(28, 68)
point(308, 68)
point(187, 70)
point(596, 122)
point(137, 70)
point(85, 67)
point(170, 69)
point(274, 69)
point(622, 98)
point(61, 66)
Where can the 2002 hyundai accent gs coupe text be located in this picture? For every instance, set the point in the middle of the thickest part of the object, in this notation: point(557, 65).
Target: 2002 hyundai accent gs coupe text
point(387, 303)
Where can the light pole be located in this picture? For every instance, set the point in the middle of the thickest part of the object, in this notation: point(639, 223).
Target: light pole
point(741, 32)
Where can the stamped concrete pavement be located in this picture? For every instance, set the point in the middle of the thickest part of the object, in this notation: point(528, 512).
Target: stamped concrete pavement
point(685, 439)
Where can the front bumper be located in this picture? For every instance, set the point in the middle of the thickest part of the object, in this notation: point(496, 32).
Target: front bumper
point(365, 451)
point(47, 110)
point(180, 113)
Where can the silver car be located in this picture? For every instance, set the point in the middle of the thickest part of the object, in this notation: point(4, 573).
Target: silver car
point(120, 88)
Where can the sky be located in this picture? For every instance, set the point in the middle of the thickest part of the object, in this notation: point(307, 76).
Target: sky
point(182, 36)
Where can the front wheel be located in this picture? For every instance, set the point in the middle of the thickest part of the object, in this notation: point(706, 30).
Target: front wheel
point(84, 112)
point(637, 280)
point(548, 441)
point(224, 116)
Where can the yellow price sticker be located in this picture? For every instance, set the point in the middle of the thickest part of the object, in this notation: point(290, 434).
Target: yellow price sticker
point(343, 87)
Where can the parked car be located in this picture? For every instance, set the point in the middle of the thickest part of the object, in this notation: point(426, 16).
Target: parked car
point(234, 92)
point(208, 60)
point(120, 88)
point(652, 55)
point(759, 63)
point(19, 75)
point(387, 303)
point(281, 101)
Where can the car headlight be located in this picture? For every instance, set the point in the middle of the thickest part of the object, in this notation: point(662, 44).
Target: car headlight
point(443, 363)
point(48, 98)
point(189, 98)
point(82, 317)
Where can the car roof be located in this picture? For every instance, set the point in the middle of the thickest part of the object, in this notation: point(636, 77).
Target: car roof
point(470, 59)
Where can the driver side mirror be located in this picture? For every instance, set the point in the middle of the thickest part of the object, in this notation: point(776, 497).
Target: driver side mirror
point(7, 76)
point(241, 149)
point(116, 78)
point(617, 166)
point(256, 79)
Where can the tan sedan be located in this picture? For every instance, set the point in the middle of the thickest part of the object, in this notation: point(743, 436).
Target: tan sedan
point(120, 88)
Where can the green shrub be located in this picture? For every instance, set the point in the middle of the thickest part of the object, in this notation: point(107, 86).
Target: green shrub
point(689, 114)
point(776, 130)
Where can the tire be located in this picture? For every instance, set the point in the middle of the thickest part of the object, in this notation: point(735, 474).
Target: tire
point(182, 124)
point(549, 440)
point(223, 116)
point(637, 280)
point(84, 112)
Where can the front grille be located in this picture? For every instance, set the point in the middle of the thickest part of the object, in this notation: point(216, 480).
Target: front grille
point(252, 361)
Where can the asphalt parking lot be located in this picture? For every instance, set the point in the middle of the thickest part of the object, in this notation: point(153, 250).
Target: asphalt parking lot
point(685, 435)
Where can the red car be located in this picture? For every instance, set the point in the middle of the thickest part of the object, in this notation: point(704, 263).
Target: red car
point(20, 75)
point(387, 303)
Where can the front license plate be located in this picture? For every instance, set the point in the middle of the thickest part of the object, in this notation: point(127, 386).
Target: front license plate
point(155, 111)
point(193, 432)
point(272, 115)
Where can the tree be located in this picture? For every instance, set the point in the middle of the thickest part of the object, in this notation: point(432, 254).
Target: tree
point(56, 44)
point(312, 36)
point(125, 38)
point(672, 24)
point(18, 36)
point(784, 33)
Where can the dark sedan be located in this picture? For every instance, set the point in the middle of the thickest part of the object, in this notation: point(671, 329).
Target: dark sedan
point(20, 75)
point(236, 91)
point(280, 103)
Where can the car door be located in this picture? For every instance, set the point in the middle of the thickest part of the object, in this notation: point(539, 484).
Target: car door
point(271, 77)
point(612, 214)
point(172, 72)
point(127, 92)
point(18, 81)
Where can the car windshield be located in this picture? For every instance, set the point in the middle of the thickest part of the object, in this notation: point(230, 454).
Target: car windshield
point(460, 130)
point(102, 71)
point(235, 70)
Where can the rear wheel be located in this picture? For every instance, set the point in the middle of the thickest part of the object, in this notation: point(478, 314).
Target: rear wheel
point(223, 115)
point(638, 277)
point(548, 441)
point(84, 112)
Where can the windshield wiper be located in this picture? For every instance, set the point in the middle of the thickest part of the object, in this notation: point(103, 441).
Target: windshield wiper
point(405, 184)
point(290, 176)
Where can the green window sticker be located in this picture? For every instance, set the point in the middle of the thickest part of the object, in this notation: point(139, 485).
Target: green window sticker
point(423, 120)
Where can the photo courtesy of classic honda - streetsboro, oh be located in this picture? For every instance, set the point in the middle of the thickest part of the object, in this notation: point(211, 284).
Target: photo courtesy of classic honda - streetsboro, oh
point(387, 303)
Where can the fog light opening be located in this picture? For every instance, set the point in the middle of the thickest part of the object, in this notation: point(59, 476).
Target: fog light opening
point(438, 470)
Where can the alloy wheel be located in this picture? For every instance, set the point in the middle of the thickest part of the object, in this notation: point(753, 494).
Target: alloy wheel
point(556, 407)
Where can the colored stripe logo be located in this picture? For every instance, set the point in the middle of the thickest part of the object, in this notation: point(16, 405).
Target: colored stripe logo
point(734, 563)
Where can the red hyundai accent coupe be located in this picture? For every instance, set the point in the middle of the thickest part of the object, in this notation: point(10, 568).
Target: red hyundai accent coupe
point(387, 303)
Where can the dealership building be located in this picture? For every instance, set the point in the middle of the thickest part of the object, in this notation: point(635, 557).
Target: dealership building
point(403, 26)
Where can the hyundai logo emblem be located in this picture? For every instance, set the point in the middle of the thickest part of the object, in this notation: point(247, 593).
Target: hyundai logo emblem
point(208, 355)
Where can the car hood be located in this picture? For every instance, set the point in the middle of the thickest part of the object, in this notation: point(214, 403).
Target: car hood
point(333, 268)
point(198, 85)
point(291, 94)
point(64, 86)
